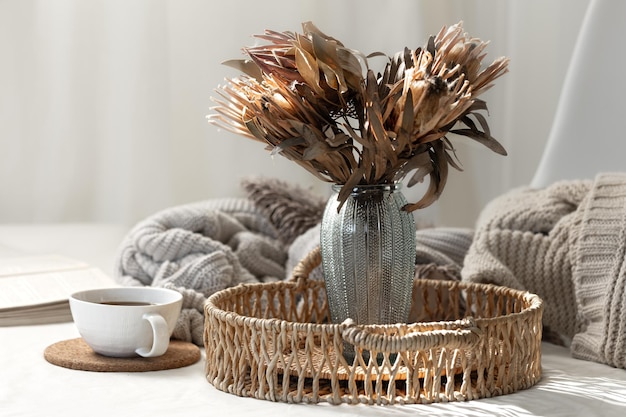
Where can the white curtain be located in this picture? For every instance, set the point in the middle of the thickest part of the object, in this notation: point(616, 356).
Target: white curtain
point(103, 102)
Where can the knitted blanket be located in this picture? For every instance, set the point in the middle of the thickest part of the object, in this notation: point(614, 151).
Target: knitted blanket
point(199, 249)
point(566, 243)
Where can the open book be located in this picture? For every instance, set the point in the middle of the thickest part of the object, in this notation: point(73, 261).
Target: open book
point(36, 289)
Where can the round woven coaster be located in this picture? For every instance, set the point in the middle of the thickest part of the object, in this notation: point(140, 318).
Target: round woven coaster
point(76, 354)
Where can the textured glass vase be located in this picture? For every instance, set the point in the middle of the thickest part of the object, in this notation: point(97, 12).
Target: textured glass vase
point(368, 255)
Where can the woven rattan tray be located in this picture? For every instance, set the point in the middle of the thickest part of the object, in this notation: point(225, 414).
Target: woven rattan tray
point(272, 341)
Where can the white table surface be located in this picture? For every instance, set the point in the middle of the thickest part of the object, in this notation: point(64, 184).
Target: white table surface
point(30, 386)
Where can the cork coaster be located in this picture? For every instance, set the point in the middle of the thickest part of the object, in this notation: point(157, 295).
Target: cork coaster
point(76, 354)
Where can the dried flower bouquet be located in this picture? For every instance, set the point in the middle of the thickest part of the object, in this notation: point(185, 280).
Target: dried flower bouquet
point(318, 103)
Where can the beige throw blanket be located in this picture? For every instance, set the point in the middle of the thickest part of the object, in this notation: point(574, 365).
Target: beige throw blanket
point(566, 243)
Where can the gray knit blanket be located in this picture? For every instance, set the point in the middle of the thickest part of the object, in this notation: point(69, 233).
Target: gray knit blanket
point(199, 249)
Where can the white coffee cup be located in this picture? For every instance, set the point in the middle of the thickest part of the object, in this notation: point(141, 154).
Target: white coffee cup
point(126, 321)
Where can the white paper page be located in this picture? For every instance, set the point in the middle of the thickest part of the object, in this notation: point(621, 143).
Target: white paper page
point(24, 288)
point(33, 264)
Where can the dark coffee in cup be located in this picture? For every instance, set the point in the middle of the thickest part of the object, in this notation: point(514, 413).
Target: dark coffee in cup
point(126, 303)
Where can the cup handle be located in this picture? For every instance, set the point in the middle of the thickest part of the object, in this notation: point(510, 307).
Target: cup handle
point(160, 336)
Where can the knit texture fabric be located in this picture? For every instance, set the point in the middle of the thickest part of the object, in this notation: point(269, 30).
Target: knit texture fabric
point(291, 209)
point(600, 274)
point(565, 243)
point(522, 242)
point(443, 245)
point(199, 249)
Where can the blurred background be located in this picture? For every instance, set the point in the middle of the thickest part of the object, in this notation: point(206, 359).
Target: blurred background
point(103, 102)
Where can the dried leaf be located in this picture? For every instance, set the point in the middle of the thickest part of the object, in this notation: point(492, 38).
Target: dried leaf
point(406, 124)
point(347, 187)
point(315, 150)
point(438, 179)
point(482, 138)
point(255, 130)
point(287, 143)
point(246, 66)
point(453, 160)
point(310, 28)
point(483, 123)
point(308, 68)
point(419, 163)
point(332, 78)
point(326, 53)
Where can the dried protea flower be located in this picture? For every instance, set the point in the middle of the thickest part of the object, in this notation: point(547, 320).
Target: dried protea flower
point(318, 103)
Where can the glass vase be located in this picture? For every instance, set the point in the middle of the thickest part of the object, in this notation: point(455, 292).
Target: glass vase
point(368, 256)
